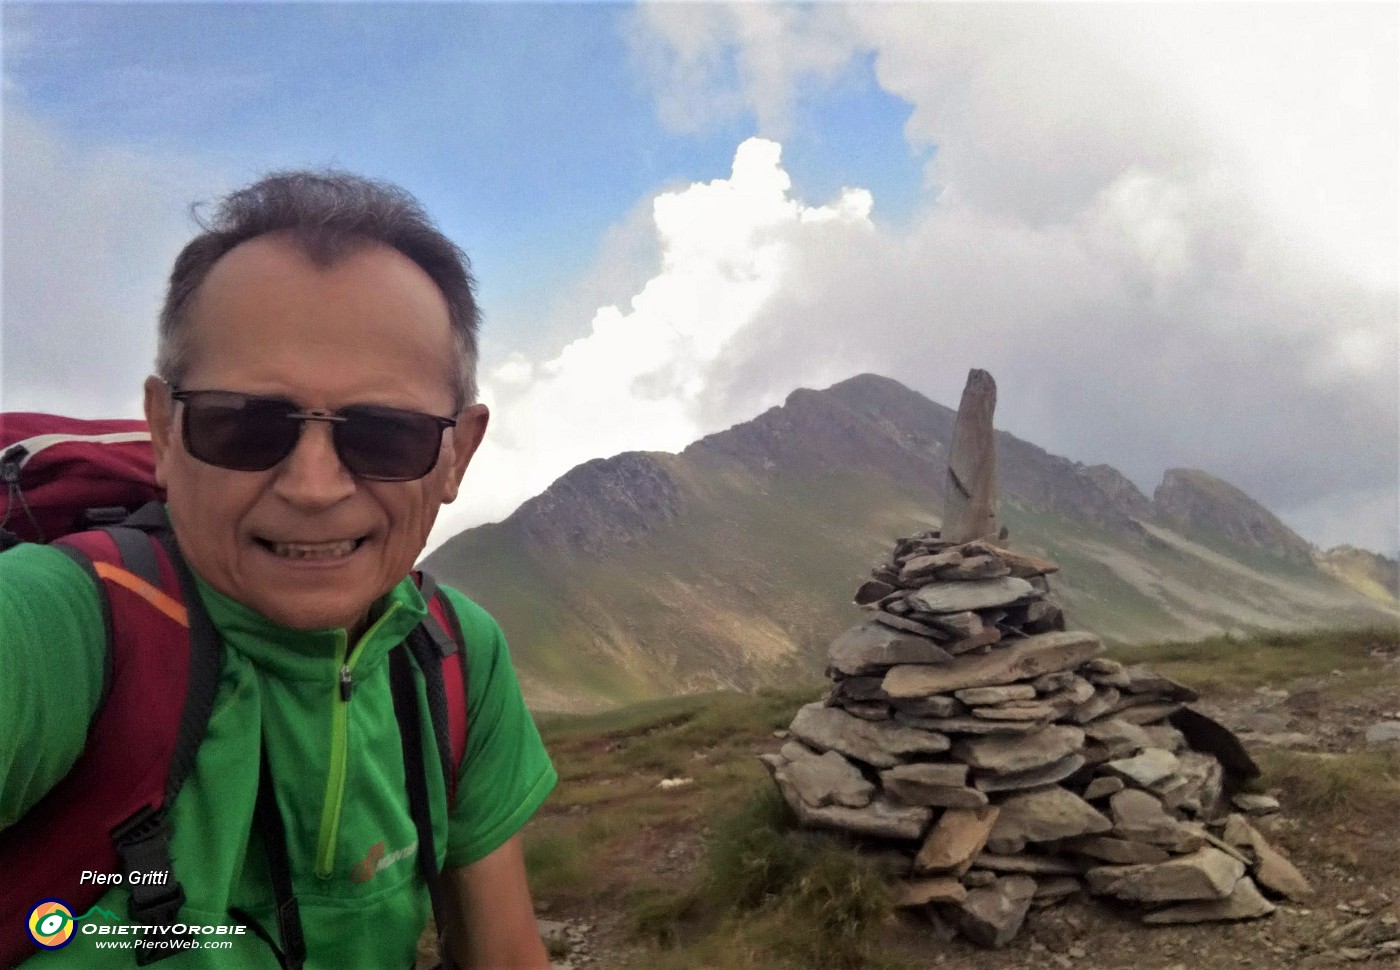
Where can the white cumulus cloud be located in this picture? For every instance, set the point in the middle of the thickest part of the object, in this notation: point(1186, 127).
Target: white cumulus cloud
point(1171, 231)
point(641, 378)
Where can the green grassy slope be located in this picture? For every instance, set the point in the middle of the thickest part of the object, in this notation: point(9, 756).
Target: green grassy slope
point(747, 587)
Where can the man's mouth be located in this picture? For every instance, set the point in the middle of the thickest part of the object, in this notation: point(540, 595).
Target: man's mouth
point(311, 550)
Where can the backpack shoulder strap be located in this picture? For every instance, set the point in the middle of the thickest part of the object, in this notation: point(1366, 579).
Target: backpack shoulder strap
point(440, 650)
point(109, 813)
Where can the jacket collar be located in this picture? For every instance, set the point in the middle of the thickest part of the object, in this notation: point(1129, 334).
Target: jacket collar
point(314, 654)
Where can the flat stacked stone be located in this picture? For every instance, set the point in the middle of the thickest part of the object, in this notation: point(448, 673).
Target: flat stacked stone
point(1015, 764)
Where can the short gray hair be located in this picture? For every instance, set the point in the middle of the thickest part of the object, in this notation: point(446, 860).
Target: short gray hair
point(328, 215)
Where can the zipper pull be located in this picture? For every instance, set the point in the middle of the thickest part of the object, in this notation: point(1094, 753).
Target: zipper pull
point(344, 682)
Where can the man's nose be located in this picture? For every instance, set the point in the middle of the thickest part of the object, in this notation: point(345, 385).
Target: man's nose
point(312, 475)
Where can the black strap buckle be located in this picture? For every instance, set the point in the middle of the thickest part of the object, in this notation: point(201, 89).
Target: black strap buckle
point(143, 851)
point(101, 515)
point(10, 462)
point(289, 929)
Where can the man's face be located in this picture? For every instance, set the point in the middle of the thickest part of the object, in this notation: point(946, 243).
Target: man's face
point(371, 329)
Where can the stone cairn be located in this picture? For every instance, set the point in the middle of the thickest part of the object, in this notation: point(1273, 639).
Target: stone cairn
point(1003, 763)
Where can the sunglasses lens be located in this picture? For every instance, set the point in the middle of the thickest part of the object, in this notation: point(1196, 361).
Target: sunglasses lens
point(386, 444)
point(239, 432)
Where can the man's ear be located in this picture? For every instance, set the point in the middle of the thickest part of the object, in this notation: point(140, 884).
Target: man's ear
point(160, 417)
point(466, 438)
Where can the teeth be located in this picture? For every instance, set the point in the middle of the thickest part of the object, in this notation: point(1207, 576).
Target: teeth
point(319, 550)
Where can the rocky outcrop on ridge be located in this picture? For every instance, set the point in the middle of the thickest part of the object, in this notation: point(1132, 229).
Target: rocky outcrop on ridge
point(603, 503)
point(1204, 503)
point(1367, 572)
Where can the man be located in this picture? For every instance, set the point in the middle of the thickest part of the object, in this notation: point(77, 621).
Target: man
point(333, 303)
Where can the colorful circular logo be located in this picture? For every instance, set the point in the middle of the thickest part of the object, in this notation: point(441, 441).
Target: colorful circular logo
point(51, 924)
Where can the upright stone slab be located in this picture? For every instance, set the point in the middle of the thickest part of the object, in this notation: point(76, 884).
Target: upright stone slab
point(1273, 871)
point(970, 488)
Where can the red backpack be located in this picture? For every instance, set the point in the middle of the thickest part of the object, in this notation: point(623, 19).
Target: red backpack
point(110, 812)
point(63, 475)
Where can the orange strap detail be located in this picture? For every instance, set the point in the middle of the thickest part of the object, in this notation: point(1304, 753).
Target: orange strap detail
point(143, 589)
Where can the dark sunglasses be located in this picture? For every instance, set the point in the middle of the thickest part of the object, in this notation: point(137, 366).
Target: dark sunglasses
point(246, 433)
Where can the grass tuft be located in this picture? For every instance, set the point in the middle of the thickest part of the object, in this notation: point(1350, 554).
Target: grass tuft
point(659, 915)
point(771, 896)
point(750, 855)
point(1319, 783)
point(846, 898)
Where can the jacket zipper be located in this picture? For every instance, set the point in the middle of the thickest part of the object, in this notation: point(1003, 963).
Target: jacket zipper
point(340, 747)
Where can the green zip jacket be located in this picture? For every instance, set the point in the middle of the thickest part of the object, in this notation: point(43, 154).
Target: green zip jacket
point(337, 768)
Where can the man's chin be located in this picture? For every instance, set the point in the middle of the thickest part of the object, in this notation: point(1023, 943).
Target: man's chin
point(314, 612)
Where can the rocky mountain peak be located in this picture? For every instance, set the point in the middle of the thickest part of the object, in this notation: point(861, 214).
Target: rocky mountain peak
point(603, 503)
point(1199, 500)
point(1121, 492)
point(864, 422)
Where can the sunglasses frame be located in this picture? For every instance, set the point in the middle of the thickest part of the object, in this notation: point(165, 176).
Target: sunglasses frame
point(335, 419)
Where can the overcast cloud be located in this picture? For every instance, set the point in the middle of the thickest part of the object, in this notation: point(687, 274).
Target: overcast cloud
point(1171, 233)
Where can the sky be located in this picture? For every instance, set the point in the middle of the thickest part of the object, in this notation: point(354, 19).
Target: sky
point(1171, 233)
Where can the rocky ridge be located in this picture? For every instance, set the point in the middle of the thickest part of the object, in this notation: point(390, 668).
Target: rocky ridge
point(726, 566)
point(1204, 503)
point(1000, 762)
point(603, 503)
